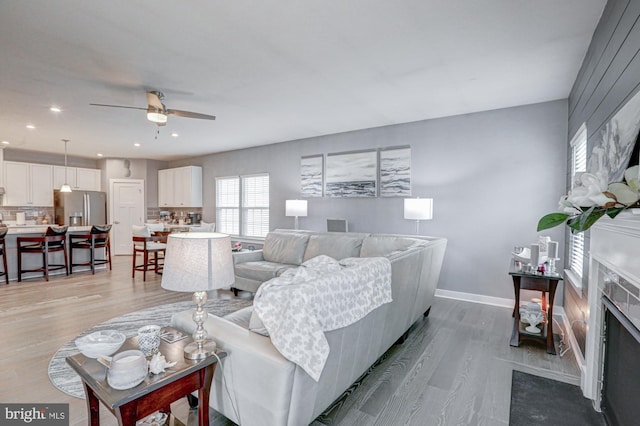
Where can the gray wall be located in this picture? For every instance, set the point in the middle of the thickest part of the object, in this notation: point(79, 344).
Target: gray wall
point(491, 175)
point(609, 76)
point(25, 156)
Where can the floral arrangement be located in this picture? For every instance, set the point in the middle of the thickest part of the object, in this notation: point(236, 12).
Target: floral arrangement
point(594, 198)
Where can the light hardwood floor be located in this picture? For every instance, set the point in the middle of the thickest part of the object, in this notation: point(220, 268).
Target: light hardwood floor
point(454, 369)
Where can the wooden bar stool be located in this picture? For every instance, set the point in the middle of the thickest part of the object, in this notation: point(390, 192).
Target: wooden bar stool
point(150, 246)
point(54, 240)
point(97, 238)
point(3, 253)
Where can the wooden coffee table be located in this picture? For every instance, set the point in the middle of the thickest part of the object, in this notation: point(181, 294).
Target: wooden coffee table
point(155, 393)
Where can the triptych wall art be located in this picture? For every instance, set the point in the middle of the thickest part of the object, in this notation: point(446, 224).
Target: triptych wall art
point(384, 172)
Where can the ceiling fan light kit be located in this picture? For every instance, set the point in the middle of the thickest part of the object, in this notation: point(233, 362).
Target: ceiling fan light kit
point(156, 116)
point(158, 113)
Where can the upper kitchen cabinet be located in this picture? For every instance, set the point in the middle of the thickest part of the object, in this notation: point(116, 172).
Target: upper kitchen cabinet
point(28, 184)
point(180, 187)
point(79, 178)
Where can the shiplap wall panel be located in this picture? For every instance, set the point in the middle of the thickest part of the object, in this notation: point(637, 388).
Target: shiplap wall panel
point(608, 66)
point(613, 12)
point(609, 76)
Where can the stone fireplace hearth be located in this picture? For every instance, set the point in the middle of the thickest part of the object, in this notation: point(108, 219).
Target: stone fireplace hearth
point(615, 274)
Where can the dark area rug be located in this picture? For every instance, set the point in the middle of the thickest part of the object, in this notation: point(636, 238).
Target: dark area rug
point(539, 401)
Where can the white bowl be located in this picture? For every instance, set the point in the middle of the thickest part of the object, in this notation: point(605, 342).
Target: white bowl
point(100, 343)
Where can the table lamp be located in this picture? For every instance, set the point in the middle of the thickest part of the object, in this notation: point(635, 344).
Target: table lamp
point(296, 208)
point(418, 209)
point(198, 262)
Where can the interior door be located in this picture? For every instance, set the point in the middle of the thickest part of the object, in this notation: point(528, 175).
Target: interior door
point(127, 209)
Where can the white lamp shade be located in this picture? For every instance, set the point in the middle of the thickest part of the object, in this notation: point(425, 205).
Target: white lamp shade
point(418, 208)
point(199, 261)
point(296, 208)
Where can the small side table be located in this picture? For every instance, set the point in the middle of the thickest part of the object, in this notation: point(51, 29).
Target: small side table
point(155, 393)
point(545, 284)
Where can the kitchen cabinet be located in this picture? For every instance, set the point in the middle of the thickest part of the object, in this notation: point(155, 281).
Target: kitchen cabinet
point(79, 178)
point(28, 184)
point(180, 187)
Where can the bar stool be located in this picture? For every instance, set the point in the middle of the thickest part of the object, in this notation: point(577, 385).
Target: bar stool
point(55, 239)
point(3, 253)
point(97, 238)
point(150, 246)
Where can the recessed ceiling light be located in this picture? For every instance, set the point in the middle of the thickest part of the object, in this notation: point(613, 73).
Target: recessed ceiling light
point(174, 134)
point(55, 109)
point(136, 144)
point(99, 155)
point(31, 126)
point(5, 142)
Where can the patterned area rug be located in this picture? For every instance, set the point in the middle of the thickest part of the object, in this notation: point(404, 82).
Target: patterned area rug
point(65, 379)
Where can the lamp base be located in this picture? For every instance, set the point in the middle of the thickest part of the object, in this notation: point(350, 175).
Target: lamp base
point(191, 351)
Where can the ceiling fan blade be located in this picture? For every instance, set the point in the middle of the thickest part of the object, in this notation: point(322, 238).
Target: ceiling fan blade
point(118, 106)
point(189, 114)
point(155, 100)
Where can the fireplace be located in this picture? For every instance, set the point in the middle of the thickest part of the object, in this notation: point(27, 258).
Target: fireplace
point(614, 317)
point(621, 377)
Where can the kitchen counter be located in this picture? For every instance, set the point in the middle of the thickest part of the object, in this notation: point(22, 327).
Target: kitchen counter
point(40, 229)
point(30, 261)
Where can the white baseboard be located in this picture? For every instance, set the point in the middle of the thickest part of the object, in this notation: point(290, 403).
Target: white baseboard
point(475, 298)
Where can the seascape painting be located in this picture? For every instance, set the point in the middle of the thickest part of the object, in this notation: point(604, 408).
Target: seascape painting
point(311, 176)
point(611, 154)
point(352, 174)
point(395, 172)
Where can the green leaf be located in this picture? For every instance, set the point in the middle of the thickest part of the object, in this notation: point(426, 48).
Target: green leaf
point(584, 221)
point(551, 220)
point(612, 213)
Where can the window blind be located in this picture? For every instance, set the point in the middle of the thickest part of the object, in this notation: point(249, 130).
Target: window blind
point(242, 205)
point(578, 166)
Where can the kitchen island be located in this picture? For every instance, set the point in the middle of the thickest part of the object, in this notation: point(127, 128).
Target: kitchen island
point(34, 261)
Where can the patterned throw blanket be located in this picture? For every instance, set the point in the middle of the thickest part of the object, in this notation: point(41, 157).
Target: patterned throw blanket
point(320, 295)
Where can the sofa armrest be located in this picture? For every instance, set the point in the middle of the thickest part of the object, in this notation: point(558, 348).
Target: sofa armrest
point(258, 378)
point(247, 256)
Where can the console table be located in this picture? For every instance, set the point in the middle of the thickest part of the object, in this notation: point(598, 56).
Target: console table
point(155, 393)
point(537, 282)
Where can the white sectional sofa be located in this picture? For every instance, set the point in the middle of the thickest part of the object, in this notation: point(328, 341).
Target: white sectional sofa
point(261, 386)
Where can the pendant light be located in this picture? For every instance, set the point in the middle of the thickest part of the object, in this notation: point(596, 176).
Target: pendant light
point(65, 187)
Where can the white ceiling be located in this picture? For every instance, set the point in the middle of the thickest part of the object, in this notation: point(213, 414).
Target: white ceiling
point(272, 71)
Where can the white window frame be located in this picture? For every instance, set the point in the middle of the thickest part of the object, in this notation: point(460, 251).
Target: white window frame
point(245, 205)
point(575, 266)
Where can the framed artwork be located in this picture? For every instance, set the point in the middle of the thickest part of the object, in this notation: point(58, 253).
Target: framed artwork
point(352, 174)
point(311, 174)
point(395, 172)
point(612, 152)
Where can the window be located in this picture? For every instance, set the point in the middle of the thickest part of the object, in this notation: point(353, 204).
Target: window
point(242, 205)
point(578, 166)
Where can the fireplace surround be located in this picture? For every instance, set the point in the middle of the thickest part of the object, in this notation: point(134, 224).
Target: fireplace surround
point(613, 292)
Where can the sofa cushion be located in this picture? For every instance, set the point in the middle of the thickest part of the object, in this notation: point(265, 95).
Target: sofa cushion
point(284, 247)
point(336, 246)
point(256, 325)
point(261, 270)
point(387, 245)
point(240, 317)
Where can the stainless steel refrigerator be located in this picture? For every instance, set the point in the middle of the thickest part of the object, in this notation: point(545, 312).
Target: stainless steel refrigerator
point(80, 208)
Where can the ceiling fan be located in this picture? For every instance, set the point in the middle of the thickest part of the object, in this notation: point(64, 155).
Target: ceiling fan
point(158, 113)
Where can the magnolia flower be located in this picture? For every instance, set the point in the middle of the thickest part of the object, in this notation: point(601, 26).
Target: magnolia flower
point(594, 198)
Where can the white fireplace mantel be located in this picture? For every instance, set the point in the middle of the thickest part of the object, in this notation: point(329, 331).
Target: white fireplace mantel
point(614, 245)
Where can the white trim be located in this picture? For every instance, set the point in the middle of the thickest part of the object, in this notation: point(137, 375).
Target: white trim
point(574, 280)
point(475, 298)
point(570, 338)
